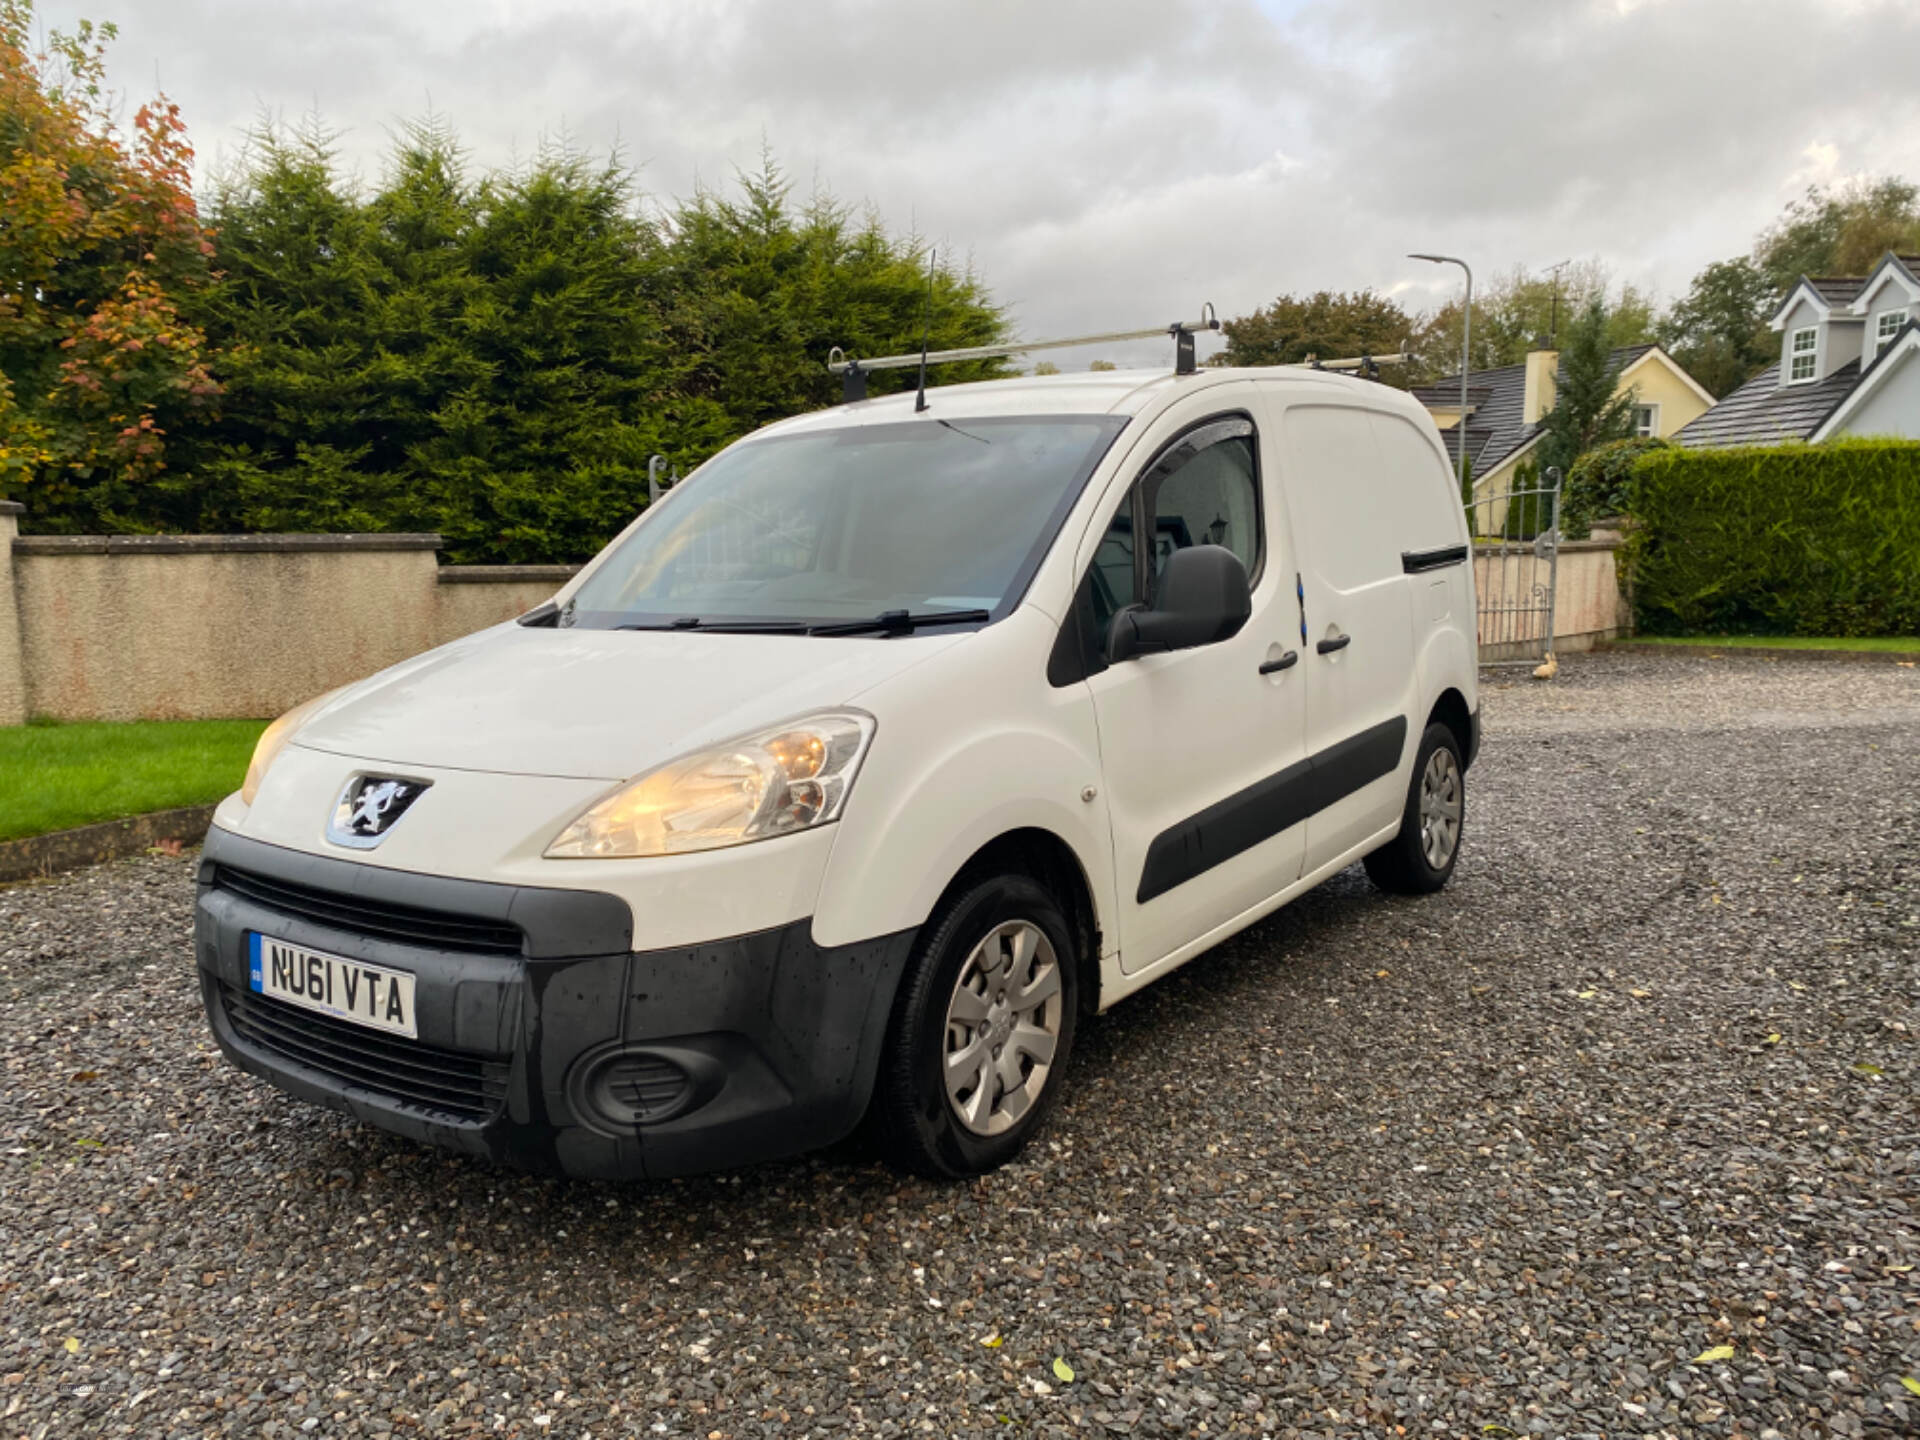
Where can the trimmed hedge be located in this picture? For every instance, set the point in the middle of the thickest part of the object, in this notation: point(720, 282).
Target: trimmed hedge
point(1778, 540)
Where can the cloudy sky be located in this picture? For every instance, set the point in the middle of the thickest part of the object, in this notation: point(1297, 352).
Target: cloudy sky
point(1111, 163)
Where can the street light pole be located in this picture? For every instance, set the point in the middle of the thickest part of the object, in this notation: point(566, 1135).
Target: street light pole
point(1466, 359)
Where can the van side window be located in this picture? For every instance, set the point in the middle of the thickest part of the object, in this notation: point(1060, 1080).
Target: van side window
point(1206, 491)
point(1202, 489)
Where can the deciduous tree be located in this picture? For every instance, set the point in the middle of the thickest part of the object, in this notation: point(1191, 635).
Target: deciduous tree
point(1328, 324)
point(99, 242)
point(1521, 311)
point(1840, 230)
point(1717, 331)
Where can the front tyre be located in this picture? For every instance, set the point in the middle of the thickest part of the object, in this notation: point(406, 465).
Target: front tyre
point(980, 1031)
point(1419, 859)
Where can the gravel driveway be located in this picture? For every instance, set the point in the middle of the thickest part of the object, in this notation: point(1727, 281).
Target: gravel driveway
point(1642, 1085)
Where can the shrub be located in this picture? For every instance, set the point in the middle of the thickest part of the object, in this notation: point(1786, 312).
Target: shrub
point(1596, 486)
point(1778, 540)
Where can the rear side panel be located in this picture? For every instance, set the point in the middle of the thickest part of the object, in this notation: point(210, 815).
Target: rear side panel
point(1358, 652)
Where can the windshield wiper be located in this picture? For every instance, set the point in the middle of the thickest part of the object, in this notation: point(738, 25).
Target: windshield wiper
point(901, 622)
point(723, 627)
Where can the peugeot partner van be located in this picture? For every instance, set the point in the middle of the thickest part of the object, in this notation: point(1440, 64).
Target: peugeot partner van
point(860, 770)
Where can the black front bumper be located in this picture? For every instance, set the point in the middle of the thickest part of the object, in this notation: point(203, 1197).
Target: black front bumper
point(575, 1055)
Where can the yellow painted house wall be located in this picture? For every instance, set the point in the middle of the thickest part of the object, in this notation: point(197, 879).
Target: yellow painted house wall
point(1654, 380)
point(1500, 479)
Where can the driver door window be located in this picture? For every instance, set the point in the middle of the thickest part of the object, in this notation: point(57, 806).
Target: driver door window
point(1203, 489)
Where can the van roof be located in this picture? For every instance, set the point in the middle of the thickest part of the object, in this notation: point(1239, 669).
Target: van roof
point(1086, 392)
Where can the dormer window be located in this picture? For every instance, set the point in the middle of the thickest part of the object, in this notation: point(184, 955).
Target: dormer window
point(1800, 365)
point(1886, 327)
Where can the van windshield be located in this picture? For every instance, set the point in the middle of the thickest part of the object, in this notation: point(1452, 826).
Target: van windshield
point(927, 517)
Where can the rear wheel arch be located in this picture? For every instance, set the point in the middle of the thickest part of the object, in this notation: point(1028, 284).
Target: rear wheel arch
point(1451, 711)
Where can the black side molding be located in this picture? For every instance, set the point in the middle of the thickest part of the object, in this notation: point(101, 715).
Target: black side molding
point(1417, 560)
point(1265, 808)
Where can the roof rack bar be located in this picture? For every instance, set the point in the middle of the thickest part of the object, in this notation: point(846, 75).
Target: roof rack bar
point(1367, 365)
point(854, 370)
point(1352, 362)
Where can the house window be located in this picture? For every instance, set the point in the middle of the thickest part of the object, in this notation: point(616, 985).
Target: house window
point(1646, 419)
point(1887, 327)
point(1801, 366)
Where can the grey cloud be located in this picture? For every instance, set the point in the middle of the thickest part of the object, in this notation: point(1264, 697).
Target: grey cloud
point(1111, 162)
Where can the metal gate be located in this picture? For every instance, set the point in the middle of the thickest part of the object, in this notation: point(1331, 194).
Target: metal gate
point(1515, 564)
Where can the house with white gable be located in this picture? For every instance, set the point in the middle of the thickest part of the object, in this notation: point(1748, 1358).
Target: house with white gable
point(1849, 364)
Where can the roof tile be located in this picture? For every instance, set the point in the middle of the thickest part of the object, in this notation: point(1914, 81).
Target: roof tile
point(1764, 412)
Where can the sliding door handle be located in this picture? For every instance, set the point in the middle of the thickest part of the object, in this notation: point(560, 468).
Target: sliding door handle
point(1327, 647)
point(1285, 662)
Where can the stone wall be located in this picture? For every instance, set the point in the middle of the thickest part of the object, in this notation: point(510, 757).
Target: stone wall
point(175, 627)
point(13, 677)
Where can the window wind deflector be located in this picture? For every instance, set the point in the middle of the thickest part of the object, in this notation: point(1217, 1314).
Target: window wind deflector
point(902, 622)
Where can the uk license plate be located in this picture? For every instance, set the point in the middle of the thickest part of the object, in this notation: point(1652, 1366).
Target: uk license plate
point(352, 990)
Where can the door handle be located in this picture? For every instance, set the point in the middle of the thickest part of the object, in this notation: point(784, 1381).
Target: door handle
point(1327, 647)
point(1285, 662)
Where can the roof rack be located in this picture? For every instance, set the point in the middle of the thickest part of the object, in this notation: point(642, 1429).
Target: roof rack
point(853, 372)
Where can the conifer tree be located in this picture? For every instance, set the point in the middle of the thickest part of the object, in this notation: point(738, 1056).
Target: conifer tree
point(542, 453)
point(1586, 411)
point(292, 311)
point(760, 293)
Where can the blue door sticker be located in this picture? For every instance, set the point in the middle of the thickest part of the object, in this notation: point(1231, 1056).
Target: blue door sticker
point(253, 960)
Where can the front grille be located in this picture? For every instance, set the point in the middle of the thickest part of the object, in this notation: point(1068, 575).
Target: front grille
point(455, 1083)
point(377, 919)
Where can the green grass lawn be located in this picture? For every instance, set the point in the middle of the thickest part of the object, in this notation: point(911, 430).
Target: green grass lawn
point(53, 777)
point(1873, 644)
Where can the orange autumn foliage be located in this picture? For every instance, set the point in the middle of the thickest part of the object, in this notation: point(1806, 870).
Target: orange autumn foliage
point(102, 241)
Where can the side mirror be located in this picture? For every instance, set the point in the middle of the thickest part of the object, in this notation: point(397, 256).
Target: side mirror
point(1203, 596)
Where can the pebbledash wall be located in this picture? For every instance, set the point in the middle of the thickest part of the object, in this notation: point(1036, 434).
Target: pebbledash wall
point(180, 627)
point(184, 627)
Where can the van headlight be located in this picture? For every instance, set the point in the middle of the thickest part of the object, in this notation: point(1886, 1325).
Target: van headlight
point(786, 778)
point(273, 740)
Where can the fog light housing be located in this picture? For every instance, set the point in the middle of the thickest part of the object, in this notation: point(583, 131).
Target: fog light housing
point(617, 1091)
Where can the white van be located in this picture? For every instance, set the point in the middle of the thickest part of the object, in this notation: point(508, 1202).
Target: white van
point(857, 772)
